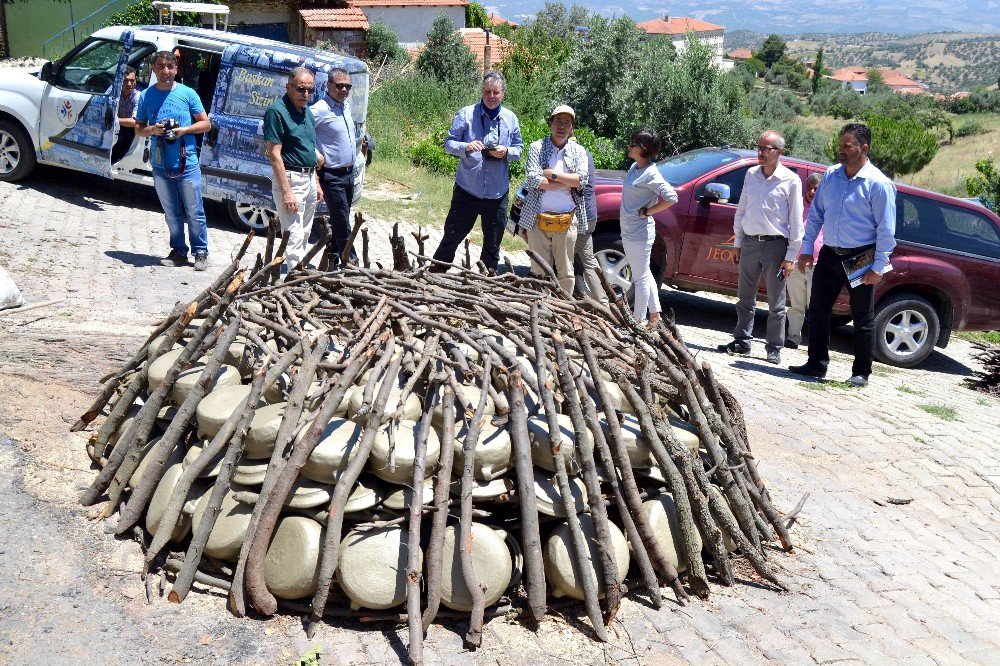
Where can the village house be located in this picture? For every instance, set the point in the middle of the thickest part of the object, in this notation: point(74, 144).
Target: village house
point(856, 78)
point(677, 28)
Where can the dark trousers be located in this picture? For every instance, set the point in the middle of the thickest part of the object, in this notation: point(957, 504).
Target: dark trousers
point(338, 191)
point(828, 279)
point(462, 214)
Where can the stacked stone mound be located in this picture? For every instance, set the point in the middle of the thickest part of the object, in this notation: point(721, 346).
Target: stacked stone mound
point(987, 379)
point(368, 438)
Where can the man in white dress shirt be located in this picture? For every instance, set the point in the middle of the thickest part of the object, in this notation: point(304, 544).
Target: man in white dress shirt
point(768, 231)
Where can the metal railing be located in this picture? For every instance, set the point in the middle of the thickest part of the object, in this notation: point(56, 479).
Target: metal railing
point(65, 40)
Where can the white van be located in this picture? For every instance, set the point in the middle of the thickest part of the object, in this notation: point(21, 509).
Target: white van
point(65, 114)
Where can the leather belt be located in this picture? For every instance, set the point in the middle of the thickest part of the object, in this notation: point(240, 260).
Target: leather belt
point(762, 238)
point(298, 169)
point(844, 251)
point(338, 171)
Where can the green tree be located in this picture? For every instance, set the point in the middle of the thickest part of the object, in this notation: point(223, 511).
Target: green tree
point(876, 83)
point(445, 56)
point(383, 44)
point(899, 147)
point(142, 13)
point(771, 51)
point(986, 185)
point(817, 71)
point(476, 16)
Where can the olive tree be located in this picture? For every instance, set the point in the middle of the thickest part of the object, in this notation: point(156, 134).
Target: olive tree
point(445, 56)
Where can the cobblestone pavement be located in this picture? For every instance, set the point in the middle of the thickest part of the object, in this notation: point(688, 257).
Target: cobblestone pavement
point(874, 581)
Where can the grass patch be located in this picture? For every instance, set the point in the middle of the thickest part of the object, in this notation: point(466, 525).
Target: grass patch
point(982, 402)
point(398, 191)
point(982, 337)
point(813, 386)
point(956, 161)
point(920, 439)
point(906, 389)
point(943, 412)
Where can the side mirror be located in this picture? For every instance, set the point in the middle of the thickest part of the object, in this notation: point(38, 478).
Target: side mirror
point(46, 73)
point(717, 192)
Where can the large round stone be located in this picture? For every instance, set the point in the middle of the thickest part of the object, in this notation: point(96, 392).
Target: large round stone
point(686, 433)
point(404, 439)
point(218, 405)
point(484, 491)
point(259, 442)
point(338, 444)
point(230, 528)
point(638, 450)
point(227, 375)
point(372, 567)
point(401, 498)
point(466, 401)
point(662, 514)
point(291, 566)
point(306, 494)
point(559, 564)
point(494, 454)
point(250, 472)
point(158, 369)
point(491, 563)
point(541, 450)
point(548, 499)
point(161, 496)
point(411, 406)
point(213, 468)
point(176, 456)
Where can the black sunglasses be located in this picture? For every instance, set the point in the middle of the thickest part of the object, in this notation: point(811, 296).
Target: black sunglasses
point(343, 86)
point(302, 90)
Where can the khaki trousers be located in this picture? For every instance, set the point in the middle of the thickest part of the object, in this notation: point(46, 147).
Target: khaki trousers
point(298, 225)
point(799, 285)
point(558, 250)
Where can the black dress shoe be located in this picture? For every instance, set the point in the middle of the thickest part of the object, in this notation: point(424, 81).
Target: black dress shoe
point(791, 345)
point(808, 370)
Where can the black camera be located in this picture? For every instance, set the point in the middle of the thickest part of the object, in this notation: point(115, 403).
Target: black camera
point(170, 125)
point(487, 150)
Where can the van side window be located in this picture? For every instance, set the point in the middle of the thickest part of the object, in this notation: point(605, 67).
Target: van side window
point(734, 179)
point(948, 227)
point(91, 69)
point(252, 90)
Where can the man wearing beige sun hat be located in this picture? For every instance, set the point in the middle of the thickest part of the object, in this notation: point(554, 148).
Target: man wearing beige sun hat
point(554, 207)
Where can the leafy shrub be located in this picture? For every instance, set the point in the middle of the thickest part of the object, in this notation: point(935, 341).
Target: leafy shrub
point(899, 147)
point(970, 128)
point(774, 105)
point(445, 56)
point(142, 13)
point(383, 45)
point(429, 153)
point(986, 185)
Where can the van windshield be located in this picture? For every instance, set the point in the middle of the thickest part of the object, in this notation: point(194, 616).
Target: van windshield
point(688, 166)
point(359, 96)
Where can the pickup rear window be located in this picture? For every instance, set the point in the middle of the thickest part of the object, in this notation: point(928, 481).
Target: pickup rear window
point(941, 225)
point(688, 166)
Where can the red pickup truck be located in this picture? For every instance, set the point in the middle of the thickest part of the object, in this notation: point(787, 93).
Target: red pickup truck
point(946, 265)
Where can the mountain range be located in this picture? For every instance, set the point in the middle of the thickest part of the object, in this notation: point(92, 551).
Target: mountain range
point(800, 16)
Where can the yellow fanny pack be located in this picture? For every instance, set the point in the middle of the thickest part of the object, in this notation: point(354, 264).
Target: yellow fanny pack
point(554, 223)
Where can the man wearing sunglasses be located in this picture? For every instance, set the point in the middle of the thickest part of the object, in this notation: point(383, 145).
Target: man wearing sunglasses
point(337, 139)
point(767, 234)
point(290, 135)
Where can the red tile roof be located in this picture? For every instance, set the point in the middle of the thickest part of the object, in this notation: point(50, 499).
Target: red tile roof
point(677, 25)
point(475, 39)
point(409, 3)
point(740, 54)
point(893, 78)
point(499, 20)
point(340, 18)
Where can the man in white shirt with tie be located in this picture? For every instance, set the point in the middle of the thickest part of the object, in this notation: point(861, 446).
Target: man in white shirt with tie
point(336, 139)
point(768, 231)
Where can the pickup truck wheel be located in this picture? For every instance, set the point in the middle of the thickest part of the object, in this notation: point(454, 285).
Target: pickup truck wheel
point(17, 154)
point(906, 330)
point(611, 257)
point(246, 217)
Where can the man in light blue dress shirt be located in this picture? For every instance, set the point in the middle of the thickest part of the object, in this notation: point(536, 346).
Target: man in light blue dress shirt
point(337, 141)
point(855, 207)
point(486, 137)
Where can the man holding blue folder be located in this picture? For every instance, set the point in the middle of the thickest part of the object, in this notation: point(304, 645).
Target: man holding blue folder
point(855, 207)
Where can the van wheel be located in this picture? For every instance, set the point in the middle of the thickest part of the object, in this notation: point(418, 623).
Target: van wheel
point(17, 154)
point(906, 330)
point(246, 217)
point(611, 258)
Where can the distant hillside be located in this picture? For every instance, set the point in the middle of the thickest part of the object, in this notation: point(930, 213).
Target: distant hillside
point(946, 61)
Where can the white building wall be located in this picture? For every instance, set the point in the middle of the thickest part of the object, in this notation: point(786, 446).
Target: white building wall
point(715, 42)
point(411, 24)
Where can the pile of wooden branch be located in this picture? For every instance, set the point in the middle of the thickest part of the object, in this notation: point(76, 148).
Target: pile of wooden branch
point(987, 379)
point(476, 352)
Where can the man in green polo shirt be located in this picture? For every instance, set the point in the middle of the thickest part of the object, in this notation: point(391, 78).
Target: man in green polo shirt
point(290, 133)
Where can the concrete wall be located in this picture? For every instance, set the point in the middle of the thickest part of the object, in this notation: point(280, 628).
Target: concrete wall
point(714, 40)
point(352, 42)
point(411, 24)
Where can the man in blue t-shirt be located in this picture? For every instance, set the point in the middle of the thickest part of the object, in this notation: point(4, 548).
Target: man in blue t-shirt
point(171, 114)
